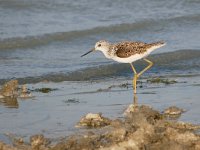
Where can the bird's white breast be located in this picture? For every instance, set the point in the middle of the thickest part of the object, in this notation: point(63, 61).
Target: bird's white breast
point(135, 57)
point(131, 58)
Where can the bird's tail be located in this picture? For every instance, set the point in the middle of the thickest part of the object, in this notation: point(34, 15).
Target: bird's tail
point(155, 45)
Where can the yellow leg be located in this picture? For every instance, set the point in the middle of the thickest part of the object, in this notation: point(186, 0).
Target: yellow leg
point(134, 78)
point(137, 75)
point(145, 69)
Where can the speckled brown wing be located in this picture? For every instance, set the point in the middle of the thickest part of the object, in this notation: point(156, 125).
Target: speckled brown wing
point(126, 49)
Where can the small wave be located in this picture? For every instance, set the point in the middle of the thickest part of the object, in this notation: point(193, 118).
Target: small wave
point(180, 60)
point(33, 41)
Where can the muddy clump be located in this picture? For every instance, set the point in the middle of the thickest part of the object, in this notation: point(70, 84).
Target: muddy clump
point(39, 142)
point(141, 129)
point(9, 89)
point(24, 93)
point(173, 112)
point(93, 120)
point(9, 94)
point(4, 146)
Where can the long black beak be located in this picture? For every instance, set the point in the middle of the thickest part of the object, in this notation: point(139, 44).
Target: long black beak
point(88, 52)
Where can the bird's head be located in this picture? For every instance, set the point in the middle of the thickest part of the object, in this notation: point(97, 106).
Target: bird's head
point(100, 45)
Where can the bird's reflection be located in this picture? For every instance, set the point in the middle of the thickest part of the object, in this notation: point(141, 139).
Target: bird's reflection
point(135, 100)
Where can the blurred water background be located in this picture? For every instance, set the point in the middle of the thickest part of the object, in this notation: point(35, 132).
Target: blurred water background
point(41, 39)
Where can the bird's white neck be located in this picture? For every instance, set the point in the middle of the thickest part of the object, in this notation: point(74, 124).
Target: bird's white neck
point(105, 51)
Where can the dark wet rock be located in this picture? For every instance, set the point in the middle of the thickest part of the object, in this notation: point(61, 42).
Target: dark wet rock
point(93, 120)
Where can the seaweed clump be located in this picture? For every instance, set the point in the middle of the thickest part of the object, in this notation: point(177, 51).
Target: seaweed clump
point(44, 90)
point(160, 80)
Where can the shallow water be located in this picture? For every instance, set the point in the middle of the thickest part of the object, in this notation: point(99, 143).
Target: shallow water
point(177, 62)
point(51, 113)
point(48, 37)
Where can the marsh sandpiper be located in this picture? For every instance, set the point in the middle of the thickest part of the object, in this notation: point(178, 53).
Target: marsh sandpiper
point(128, 52)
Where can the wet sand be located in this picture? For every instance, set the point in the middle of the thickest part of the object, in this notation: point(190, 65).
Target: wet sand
point(49, 115)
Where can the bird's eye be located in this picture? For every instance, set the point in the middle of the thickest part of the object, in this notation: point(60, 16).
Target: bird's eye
point(99, 45)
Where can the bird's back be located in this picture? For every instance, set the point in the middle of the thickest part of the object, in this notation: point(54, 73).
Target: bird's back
point(128, 48)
